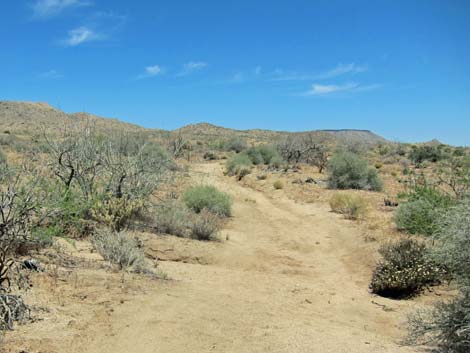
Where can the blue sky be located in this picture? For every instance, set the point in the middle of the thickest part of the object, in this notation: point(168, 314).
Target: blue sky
point(399, 68)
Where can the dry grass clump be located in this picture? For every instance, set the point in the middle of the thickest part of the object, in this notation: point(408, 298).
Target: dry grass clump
point(175, 218)
point(119, 248)
point(351, 206)
point(205, 225)
point(172, 217)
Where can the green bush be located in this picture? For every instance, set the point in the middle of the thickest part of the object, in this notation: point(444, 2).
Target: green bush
point(351, 206)
point(239, 165)
point(69, 215)
point(445, 327)
point(172, 217)
point(120, 249)
point(420, 213)
point(262, 154)
point(208, 197)
point(405, 270)
point(350, 171)
point(420, 154)
point(205, 225)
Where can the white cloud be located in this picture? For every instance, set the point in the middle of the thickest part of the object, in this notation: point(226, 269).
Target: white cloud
point(51, 75)
point(50, 8)
point(151, 71)
point(81, 35)
point(323, 90)
point(192, 66)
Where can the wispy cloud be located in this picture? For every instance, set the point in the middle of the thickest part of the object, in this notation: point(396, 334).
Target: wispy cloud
point(50, 75)
point(343, 69)
point(192, 66)
point(81, 35)
point(48, 8)
point(238, 77)
point(324, 90)
point(151, 71)
point(339, 70)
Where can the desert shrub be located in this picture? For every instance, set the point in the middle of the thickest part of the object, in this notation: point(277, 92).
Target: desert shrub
point(255, 155)
point(420, 213)
point(119, 248)
point(453, 241)
point(405, 270)
point(268, 152)
point(416, 217)
point(239, 165)
point(235, 144)
point(172, 217)
point(69, 214)
point(278, 185)
point(208, 197)
point(204, 225)
point(276, 162)
point(351, 206)
point(378, 165)
point(350, 171)
point(445, 327)
point(420, 154)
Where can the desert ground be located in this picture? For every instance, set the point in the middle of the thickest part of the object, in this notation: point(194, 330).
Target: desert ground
point(285, 276)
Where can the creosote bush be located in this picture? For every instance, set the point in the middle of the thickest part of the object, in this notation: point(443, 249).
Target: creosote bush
point(351, 206)
point(405, 270)
point(119, 248)
point(350, 171)
point(208, 197)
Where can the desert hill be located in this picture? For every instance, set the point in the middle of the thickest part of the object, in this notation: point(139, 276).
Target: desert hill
point(32, 118)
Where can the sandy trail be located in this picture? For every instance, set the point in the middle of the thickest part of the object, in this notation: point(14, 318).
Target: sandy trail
point(290, 278)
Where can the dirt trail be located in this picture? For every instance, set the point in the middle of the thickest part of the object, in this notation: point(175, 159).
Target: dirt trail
point(290, 278)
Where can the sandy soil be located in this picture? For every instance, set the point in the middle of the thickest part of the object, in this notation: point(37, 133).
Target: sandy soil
point(286, 277)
